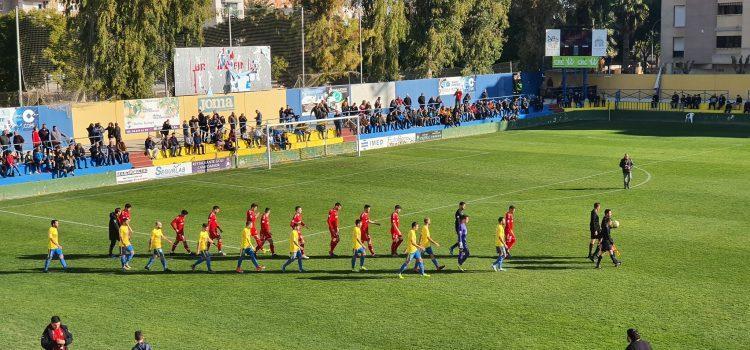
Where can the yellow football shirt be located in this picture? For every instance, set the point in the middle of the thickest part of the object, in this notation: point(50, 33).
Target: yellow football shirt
point(203, 240)
point(424, 236)
point(293, 238)
point(410, 247)
point(246, 234)
point(124, 236)
point(156, 236)
point(53, 241)
point(500, 236)
point(356, 233)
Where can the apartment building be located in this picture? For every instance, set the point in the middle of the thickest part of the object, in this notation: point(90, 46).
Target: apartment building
point(706, 32)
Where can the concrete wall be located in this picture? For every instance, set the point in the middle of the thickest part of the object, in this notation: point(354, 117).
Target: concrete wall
point(370, 92)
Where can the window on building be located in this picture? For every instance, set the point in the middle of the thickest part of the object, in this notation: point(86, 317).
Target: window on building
point(728, 42)
point(678, 49)
point(730, 8)
point(679, 16)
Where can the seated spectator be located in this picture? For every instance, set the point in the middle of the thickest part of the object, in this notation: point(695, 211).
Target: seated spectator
point(28, 160)
point(302, 133)
point(39, 159)
point(728, 108)
point(18, 141)
point(122, 153)
point(150, 147)
point(79, 153)
point(104, 156)
point(230, 145)
point(746, 109)
point(174, 146)
point(10, 163)
point(198, 147)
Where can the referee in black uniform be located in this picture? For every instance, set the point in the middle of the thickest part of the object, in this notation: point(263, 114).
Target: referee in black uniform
point(457, 224)
point(114, 230)
point(594, 227)
point(605, 240)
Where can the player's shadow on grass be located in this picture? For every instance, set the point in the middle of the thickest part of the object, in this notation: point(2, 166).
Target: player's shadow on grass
point(588, 189)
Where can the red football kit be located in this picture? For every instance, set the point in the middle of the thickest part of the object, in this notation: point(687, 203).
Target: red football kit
point(213, 226)
point(510, 237)
point(178, 224)
point(123, 215)
point(251, 218)
point(395, 232)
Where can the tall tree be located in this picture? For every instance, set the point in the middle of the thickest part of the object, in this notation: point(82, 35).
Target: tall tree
point(484, 35)
point(435, 41)
point(528, 21)
point(630, 14)
point(387, 30)
point(331, 38)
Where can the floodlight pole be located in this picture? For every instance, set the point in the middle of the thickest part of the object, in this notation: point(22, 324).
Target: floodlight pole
point(18, 52)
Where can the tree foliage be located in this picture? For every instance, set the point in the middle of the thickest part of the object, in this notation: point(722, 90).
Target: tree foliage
point(483, 35)
point(386, 31)
point(332, 38)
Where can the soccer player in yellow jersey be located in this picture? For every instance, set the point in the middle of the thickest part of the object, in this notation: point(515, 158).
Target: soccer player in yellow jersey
point(426, 241)
point(357, 247)
point(203, 255)
point(126, 249)
point(413, 251)
point(246, 247)
point(154, 245)
point(54, 248)
point(500, 244)
point(295, 248)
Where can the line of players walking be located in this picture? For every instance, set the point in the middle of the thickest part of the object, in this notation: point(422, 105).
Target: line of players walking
point(253, 240)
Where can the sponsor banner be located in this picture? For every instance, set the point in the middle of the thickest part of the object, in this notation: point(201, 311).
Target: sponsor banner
point(449, 86)
point(172, 170)
point(373, 143)
point(205, 166)
point(215, 70)
point(552, 42)
point(216, 103)
point(133, 175)
point(599, 42)
point(19, 119)
point(333, 95)
point(404, 139)
point(149, 114)
point(575, 62)
point(429, 135)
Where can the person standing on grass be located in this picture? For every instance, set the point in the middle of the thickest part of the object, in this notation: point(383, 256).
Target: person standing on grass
point(54, 247)
point(635, 342)
point(214, 230)
point(333, 227)
point(204, 242)
point(606, 244)
point(114, 230)
point(265, 232)
point(627, 170)
point(365, 219)
point(126, 249)
point(463, 248)
point(125, 213)
point(594, 227)
point(413, 251)
point(246, 248)
point(358, 249)
point(297, 220)
point(396, 237)
point(251, 219)
point(178, 225)
point(426, 241)
point(457, 223)
point(295, 248)
point(56, 335)
point(154, 245)
point(510, 234)
point(499, 244)
point(140, 342)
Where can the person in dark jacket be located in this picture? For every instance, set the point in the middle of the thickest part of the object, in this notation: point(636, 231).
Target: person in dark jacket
point(606, 244)
point(594, 227)
point(56, 336)
point(635, 342)
point(114, 230)
point(627, 170)
point(140, 342)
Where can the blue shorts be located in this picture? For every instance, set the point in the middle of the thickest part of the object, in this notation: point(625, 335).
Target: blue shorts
point(361, 250)
point(127, 249)
point(55, 252)
point(157, 251)
point(428, 251)
point(416, 255)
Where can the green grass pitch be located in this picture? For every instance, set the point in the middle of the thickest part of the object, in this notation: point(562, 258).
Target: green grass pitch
point(683, 236)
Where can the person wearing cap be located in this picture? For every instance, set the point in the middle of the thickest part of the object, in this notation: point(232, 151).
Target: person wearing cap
point(56, 336)
point(140, 342)
point(635, 342)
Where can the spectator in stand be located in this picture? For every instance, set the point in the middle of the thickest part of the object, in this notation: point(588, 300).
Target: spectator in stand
point(18, 141)
point(675, 101)
point(28, 160)
point(90, 133)
point(104, 155)
point(258, 118)
point(110, 132)
point(56, 335)
point(746, 109)
point(112, 153)
point(57, 137)
point(39, 159)
point(187, 137)
point(257, 137)
point(36, 141)
point(150, 147)
point(165, 129)
point(722, 102)
point(174, 146)
point(79, 153)
point(484, 95)
point(202, 125)
point(407, 102)
point(99, 133)
point(458, 95)
point(738, 101)
point(198, 147)
point(140, 342)
point(122, 153)
point(118, 133)
point(232, 123)
point(10, 164)
point(5, 140)
point(243, 124)
point(420, 100)
point(728, 108)
point(713, 101)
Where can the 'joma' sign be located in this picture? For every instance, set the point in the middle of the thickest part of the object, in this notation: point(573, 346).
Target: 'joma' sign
point(212, 104)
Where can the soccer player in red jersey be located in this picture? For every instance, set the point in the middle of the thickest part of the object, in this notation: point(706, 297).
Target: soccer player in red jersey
point(214, 230)
point(178, 225)
point(365, 219)
point(333, 226)
point(265, 232)
point(510, 236)
point(125, 214)
point(396, 237)
point(297, 219)
point(251, 217)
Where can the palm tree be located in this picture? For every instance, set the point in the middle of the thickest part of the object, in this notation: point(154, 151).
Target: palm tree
point(630, 14)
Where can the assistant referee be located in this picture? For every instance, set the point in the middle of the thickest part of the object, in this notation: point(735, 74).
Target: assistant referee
point(595, 228)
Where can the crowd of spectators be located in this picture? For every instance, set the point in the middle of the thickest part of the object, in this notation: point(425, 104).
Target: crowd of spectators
point(56, 153)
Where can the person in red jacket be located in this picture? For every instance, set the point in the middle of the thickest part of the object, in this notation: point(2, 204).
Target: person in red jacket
point(35, 139)
point(56, 336)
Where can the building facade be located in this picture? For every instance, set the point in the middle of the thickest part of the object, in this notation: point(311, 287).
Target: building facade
point(707, 32)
